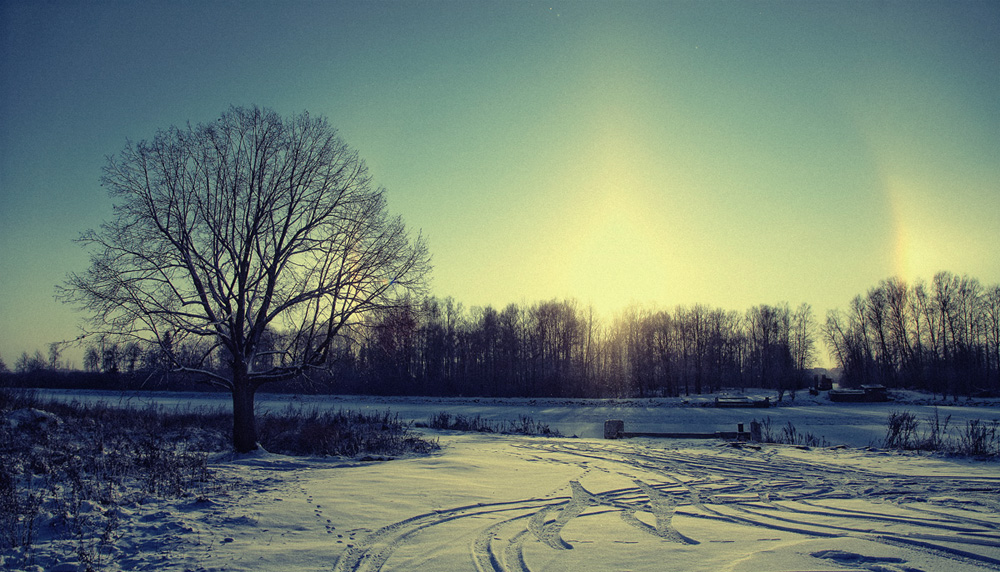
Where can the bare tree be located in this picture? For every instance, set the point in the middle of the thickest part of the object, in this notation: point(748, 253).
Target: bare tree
point(54, 354)
point(992, 320)
point(30, 364)
point(224, 230)
point(898, 299)
point(131, 354)
point(803, 337)
point(92, 359)
point(877, 313)
point(926, 323)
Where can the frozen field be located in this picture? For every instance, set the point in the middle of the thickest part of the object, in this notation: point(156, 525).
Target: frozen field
point(855, 425)
point(513, 503)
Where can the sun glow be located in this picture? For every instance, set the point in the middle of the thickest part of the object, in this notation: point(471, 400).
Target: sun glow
point(926, 239)
point(613, 257)
point(610, 247)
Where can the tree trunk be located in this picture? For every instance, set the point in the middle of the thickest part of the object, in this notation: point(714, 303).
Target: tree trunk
point(244, 423)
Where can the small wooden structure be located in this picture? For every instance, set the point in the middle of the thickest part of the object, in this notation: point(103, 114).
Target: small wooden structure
point(615, 429)
point(867, 394)
point(741, 401)
point(822, 383)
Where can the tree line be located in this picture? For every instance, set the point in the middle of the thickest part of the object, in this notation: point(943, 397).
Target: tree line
point(942, 336)
point(562, 349)
point(432, 346)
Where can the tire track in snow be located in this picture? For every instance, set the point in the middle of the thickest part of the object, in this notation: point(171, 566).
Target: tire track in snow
point(371, 552)
point(808, 481)
point(766, 492)
point(662, 507)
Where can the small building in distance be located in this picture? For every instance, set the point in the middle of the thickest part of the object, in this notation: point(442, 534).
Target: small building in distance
point(741, 401)
point(867, 394)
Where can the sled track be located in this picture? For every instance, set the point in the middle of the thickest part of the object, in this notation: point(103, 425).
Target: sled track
point(756, 490)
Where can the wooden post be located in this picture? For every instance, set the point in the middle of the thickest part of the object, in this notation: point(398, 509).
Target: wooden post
point(613, 428)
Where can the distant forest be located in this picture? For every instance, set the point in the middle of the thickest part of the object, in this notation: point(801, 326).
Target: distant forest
point(942, 336)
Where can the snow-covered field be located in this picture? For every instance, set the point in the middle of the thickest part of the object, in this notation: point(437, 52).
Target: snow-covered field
point(501, 502)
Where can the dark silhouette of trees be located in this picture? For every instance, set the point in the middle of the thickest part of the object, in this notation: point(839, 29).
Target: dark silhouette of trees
point(991, 328)
point(941, 337)
point(92, 359)
point(255, 249)
point(250, 242)
point(55, 352)
point(30, 363)
point(560, 349)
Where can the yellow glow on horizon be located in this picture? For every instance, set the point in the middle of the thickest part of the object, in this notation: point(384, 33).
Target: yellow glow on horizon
point(920, 241)
point(608, 246)
point(612, 257)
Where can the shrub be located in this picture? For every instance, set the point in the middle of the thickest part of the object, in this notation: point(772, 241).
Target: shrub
point(523, 425)
point(976, 439)
point(979, 439)
point(789, 435)
point(935, 438)
point(340, 433)
point(901, 430)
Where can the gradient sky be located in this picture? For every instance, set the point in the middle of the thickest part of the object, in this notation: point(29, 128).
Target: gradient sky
point(724, 153)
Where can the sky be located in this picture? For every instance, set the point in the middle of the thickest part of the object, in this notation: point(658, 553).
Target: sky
point(658, 153)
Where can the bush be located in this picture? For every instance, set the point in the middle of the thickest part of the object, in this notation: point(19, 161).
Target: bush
point(934, 439)
point(524, 425)
point(976, 439)
point(788, 435)
point(901, 430)
point(340, 433)
point(979, 439)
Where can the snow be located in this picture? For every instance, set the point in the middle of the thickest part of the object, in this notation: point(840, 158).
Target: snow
point(504, 502)
point(853, 424)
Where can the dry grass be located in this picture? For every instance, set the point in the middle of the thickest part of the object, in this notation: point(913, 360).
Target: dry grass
point(977, 438)
point(524, 425)
point(338, 433)
point(67, 466)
